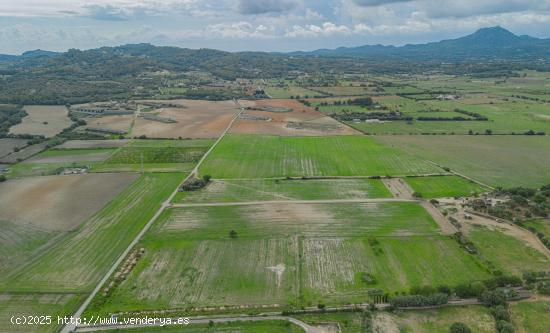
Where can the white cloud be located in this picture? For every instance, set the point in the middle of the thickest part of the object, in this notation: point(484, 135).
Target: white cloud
point(312, 30)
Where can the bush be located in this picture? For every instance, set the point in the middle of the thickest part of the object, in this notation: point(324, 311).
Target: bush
point(460, 328)
point(500, 312)
point(419, 300)
point(2, 178)
point(417, 195)
point(504, 327)
point(493, 298)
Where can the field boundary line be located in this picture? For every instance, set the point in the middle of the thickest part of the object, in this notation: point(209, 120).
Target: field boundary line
point(270, 202)
point(71, 327)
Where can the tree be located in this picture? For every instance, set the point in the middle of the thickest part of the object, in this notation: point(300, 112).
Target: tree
point(206, 178)
point(493, 298)
point(488, 132)
point(2, 178)
point(233, 234)
point(417, 195)
point(460, 328)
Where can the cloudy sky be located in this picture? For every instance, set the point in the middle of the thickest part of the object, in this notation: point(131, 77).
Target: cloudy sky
point(268, 25)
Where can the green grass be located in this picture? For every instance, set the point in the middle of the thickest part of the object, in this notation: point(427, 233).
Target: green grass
point(36, 305)
point(269, 189)
point(156, 155)
point(402, 263)
point(531, 317)
point(505, 161)
point(444, 186)
point(269, 326)
point(247, 156)
point(539, 225)
point(19, 243)
point(191, 260)
point(477, 318)
point(135, 155)
point(507, 253)
point(78, 260)
point(286, 220)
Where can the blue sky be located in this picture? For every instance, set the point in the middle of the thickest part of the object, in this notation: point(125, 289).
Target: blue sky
point(265, 25)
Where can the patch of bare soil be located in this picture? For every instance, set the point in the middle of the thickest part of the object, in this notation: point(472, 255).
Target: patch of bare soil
point(116, 123)
point(301, 121)
point(325, 328)
point(59, 203)
point(46, 120)
point(384, 323)
point(92, 144)
point(446, 227)
point(195, 119)
point(398, 188)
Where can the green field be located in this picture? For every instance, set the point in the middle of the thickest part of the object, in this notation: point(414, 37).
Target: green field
point(247, 156)
point(155, 156)
point(507, 253)
point(292, 91)
point(505, 161)
point(531, 317)
point(19, 243)
point(444, 186)
point(290, 219)
point(288, 254)
point(275, 189)
point(77, 261)
point(478, 319)
point(35, 305)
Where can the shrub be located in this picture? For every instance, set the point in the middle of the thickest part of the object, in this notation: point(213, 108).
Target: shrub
point(504, 327)
point(500, 313)
point(493, 298)
point(460, 328)
point(419, 300)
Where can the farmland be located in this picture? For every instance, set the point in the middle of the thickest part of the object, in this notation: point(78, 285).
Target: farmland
point(265, 117)
point(192, 119)
point(275, 189)
point(287, 254)
point(520, 159)
point(35, 304)
point(247, 156)
point(43, 120)
point(531, 316)
point(77, 261)
point(315, 196)
point(445, 186)
point(507, 253)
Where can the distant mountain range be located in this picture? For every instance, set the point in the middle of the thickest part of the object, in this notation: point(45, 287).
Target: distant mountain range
point(494, 43)
point(486, 43)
